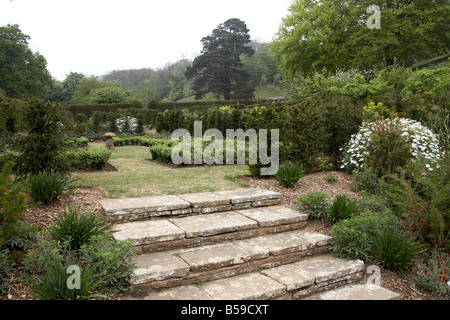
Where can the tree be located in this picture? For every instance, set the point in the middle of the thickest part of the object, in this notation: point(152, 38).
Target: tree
point(332, 35)
point(261, 66)
point(69, 85)
point(86, 87)
point(22, 72)
point(219, 68)
point(44, 142)
point(109, 95)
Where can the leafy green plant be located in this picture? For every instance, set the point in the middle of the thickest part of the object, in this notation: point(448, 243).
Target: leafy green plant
point(343, 208)
point(81, 142)
point(315, 204)
point(92, 157)
point(55, 284)
point(372, 202)
point(12, 203)
point(421, 198)
point(330, 178)
point(353, 238)
point(24, 236)
point(441, 127)
point(365, 180)
point(161, 152)
point(435, 274)
point(112, 259)
point(6, 265)
point(77, 226)
point(48, 186)
point(46, 252)
point(289, 174)
point(385, 145)
point(44, 142)
point(394, 250)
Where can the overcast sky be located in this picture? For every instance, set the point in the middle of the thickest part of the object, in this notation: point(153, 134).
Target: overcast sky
point(98, 36)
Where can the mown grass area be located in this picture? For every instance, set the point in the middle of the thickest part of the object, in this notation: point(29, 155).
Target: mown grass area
point(139, 177)
point(261, 92)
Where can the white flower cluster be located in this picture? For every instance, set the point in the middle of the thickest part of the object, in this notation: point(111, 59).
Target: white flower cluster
point(132, 124)
point(424, 143)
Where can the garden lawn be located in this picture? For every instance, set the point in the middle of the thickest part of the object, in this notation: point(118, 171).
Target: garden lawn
point(139, 177)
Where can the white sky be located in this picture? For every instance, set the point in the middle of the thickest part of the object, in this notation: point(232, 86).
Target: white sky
point(98, 36)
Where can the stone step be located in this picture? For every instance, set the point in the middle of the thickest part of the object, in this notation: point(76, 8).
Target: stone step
point(357, 292)
point(171, 233)
point(186, 266)
point(148, 208)
point(290, 281)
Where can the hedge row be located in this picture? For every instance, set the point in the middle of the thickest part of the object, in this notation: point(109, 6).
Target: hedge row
point(162, 150)
point(162, 106)
point(92, 157)
point(142, 141)
point(88, 109)
point(87, 158)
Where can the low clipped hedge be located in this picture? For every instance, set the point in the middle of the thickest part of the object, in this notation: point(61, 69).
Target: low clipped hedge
point(93, 157)
point(161, 152)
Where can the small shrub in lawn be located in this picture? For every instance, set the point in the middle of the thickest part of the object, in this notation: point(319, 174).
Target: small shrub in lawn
point(93, 157)
point(161, 152)
point(77, 226)
point(434, 276)
point(343, 208)
point(315, 204)
point(394, 250)
point(289, 174)
point(48, 186)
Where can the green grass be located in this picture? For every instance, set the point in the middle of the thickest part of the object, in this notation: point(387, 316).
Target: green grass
point(261, 92)
point(138, 177)
point(265, 92)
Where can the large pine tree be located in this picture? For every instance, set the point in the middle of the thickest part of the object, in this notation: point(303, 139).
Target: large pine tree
point(219, 68)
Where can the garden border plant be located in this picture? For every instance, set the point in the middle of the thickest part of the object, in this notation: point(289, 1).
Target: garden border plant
point(83, 238)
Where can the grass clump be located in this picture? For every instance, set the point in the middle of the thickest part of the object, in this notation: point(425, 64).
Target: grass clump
point(289, 174)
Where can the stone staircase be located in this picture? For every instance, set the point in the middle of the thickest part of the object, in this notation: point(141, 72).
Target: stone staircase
point(231, 245)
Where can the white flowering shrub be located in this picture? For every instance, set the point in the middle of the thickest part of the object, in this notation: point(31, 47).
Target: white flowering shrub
point(127, 124)
point(404, 139)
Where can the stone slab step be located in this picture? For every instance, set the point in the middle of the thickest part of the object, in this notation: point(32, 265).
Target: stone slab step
point(357, 292)
point(135, 209)
point(186, 266)
point(171, 233)
point(291, 281)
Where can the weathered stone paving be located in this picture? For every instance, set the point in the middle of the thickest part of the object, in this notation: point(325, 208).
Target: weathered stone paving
point(170, 233)
point(232, 245)
point(190, 265)
point(133, 209)
point(356, 292)
point(291, 281)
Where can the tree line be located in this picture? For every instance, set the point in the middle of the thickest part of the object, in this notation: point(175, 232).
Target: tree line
point(316, 36)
